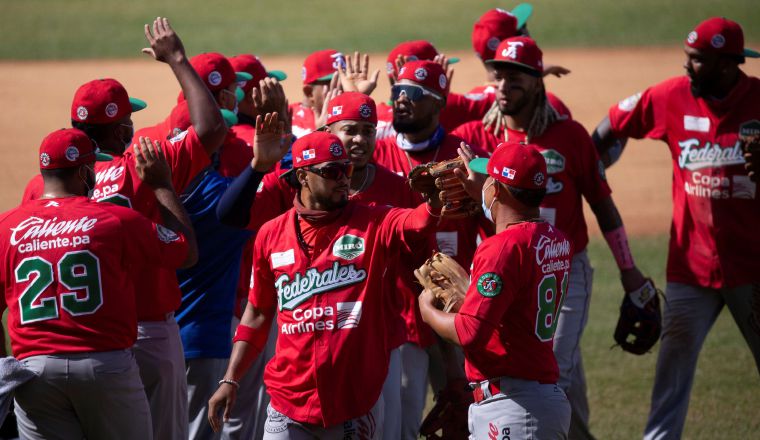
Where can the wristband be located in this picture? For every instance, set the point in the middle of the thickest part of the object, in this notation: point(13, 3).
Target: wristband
point(234, 383)
point(256, 337)
point(618, 243)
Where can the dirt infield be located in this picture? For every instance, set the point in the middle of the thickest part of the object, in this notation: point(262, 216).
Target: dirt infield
point(36, 97)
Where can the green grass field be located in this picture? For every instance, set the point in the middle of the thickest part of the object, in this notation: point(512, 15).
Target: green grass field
point(57, 29)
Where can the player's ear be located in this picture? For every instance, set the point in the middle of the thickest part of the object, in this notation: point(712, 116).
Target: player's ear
point(301, 177)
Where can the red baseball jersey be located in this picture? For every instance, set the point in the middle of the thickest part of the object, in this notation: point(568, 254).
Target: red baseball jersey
point(117, 182)
point(234, 155)
point(302, 119)
point(488, 93)
point(245, 132)
point(574, 170)
point(715, 205)
point(384, 121)
point(507, 322)
point(68, 271)
point(331, 358)
point(457, 238)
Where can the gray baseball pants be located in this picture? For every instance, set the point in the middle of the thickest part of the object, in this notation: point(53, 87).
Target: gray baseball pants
point(203, 375)
point(414, 370)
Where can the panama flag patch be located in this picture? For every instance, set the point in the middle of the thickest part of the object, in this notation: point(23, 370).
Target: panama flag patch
point(309, 154)
point(337, 110)
point(509, 173)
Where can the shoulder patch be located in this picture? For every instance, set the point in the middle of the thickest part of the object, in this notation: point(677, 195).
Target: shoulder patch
point(489, 284)
point(165, 234)
point(178, 137)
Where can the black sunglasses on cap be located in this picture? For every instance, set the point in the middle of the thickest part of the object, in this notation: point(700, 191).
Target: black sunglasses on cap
point(412, 92)
point(334, 171)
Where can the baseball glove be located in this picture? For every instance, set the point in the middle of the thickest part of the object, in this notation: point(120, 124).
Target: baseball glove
point(449, 414)
point(751, 146)
point(438, 178)
point(448, 281)
point(640, 318)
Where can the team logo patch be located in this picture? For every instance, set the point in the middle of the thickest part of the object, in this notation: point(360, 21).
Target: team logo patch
point(303, 73)
point(389, 68)
point(629, 103)
point(214, 78)
point(511, 50)
point(336, 150)
point(539, 178)
point(44, 159)
point(365, 111)
point(72, 153)
point(509, 173)
point(692, 38)
point(718, 41)
point(166, 235)
point(337, 110)
point(555, 162)
point(309, 154)
point(750, 128)
point(489, 284)
point(112, 109)
point(442, 81)
point(420, 74)
point(493, 43)
point(82, 113)
point(348, 247)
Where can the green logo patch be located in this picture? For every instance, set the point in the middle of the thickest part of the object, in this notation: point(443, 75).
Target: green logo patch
point(750, 128)
point(348, 247)
point(555, 162)
point(489, 284)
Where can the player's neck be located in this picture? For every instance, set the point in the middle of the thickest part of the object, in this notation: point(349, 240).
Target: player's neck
point(422, 135)
point(521, 120)
point(505, 217)
point(362, 178)
point(56, 189)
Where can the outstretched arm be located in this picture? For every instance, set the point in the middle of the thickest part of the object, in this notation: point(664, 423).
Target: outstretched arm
point(607, 145)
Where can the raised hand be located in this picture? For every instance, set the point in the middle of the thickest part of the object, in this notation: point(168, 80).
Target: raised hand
point(270, 143)
point(355, 76)
point(165, 44)
point(151, 164)
point(325, 114)
point(472, 181)
point(443, 60)
point(557, 71)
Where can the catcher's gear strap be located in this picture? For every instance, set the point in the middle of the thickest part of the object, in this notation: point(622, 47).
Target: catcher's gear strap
point(617, 240)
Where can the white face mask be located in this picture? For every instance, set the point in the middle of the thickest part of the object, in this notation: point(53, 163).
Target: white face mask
point(487, 209)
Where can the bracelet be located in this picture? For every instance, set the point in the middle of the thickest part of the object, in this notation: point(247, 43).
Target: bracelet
point(231, 382)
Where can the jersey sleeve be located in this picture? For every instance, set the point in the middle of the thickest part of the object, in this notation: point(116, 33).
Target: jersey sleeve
point(149, 242)
point(494, 283)
point(460, 109)
point(273, 197)
point(186, 156)
point(592, 179)
point(642, 115)
point(263, 294)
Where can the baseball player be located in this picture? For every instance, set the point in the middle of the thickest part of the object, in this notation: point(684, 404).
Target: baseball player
point(67, 280)
point(326, 243)
point(713, 253)
point(518, 282)
point(103, 109)
point(316, 73)
point(574, 171)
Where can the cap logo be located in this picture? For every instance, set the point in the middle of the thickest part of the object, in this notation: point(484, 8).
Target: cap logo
point(692, 38)
point(112, 109)
point(339, 61)
point(303, 73)
point(336, 150)
point(718, 41)
point(509, 173)
point(72, 153)
point(309, 154)
point(442, 81)
point(420, 74)
point(493, 43)
point(82, 113)
point(511, 50)
point(365, 111)
point(44, 159)
point(538, 179)
point(214, 78)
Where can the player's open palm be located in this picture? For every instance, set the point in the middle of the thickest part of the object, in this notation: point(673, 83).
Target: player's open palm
point(355, 76)
point(165, 45)
point(270, 143)
point(151, 164)
point(223, 398)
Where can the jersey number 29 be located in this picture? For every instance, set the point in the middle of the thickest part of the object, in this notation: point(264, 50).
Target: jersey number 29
point(77, 270)
point(549, 305)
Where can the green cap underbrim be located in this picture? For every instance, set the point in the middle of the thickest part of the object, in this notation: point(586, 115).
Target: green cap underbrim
point(453, 60)
point(326, 77)
point(277, 74)
point(522, 13)
point(102, 157)
point(243, 76)
point(230, 118)
point(479, 165)
point(749, 53)
point(137, 104)
point(239, 94)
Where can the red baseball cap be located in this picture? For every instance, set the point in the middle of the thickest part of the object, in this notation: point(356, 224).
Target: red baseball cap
point(496, 25)
point(428, 74)
point(103, 101)
point(251, 64)
point(320, 65)
point(352, 106)
point(413, 51)
point(720, 35)
point(216, 71)
point(520, 51)
point(317, 147)
point(68, 148)
point(514, 164)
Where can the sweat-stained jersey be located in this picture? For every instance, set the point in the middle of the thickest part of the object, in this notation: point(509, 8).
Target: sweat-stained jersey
point(713, 242)
point(507, 322)
point(68, 270)
point(331, 358)
point(574, 170)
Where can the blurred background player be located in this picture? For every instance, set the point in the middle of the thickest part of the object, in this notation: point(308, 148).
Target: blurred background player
point(317, 72)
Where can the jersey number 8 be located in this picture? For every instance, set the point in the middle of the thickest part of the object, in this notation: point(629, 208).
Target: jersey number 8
point(76, 270)
point(549, 305)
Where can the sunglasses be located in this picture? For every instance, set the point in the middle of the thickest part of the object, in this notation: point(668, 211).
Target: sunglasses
point(412, 92)
point(334, 171)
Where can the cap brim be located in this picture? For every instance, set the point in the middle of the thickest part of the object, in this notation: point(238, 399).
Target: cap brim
point(137, 104)
point(479, 165)
point(524, 67)
point(453, 60)
point(230, 118)
point(239, 94)
point(749, 53)
point(243, 76)
point(277, 74)
point(326, 77)
point(102, 157)
point(522, 13)
point(287, 173)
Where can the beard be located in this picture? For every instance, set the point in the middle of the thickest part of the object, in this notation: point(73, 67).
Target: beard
point(329, 203)
point(413, 125)
point(703, 87)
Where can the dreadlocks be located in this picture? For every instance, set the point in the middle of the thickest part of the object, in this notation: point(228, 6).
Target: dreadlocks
point(543, 116)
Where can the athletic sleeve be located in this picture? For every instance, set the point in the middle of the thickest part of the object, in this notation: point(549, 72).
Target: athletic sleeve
point(493, 286)
point(154, 244)
point(186, 157)
point(460, 109)
point(408, 226)
point(263, 294)
point(33, 189)
point(558, 105)
point(642, 115)
point(237, 202)
point(592, 181)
